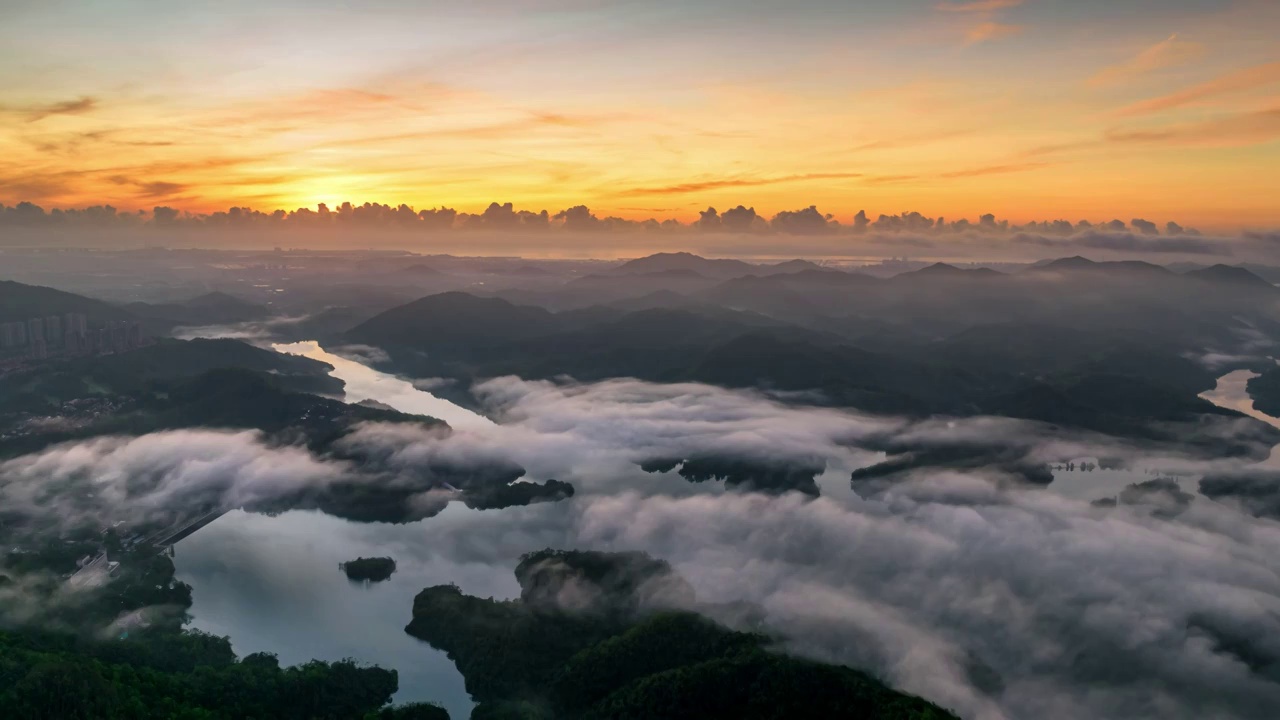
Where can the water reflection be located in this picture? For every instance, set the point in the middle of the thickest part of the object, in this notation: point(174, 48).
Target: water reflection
point(365, 383)
point(273, 584)
point(1231, 393)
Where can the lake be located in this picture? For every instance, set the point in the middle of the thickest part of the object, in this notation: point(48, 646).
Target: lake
point(273, 583)
point(1230, 393)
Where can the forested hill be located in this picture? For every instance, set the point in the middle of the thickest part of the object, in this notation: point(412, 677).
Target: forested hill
point(621, 655)
point(20, 302)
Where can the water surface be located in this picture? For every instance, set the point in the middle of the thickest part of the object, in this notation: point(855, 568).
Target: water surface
point(365, 383)
point(273, 584)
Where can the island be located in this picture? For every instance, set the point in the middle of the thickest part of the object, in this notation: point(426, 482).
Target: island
point(620, 635)
point(369, 569)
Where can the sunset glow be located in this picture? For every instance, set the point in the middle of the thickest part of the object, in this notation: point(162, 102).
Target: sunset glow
point(1031, 110)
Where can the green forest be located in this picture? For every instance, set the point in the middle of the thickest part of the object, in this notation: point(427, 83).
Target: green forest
point(183, 676)
point(615, 659)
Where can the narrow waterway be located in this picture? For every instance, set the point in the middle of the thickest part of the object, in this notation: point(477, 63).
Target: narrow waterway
point(1231, 393)
point(365, 383)
point(272, 584)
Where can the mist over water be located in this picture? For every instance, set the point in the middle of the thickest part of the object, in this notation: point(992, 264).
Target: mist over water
point(902, 583)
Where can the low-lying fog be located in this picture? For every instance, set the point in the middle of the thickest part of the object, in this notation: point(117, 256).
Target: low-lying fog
point(989, 597)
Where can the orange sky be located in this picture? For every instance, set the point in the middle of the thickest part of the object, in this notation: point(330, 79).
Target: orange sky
point(1164, 109)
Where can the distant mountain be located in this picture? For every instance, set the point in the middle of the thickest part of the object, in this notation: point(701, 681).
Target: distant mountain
point(602, 289)
point(655, 299)
point(20, 302)
point(942, 340)
point(949, 271)
point(45, 388)
point(828, 277)
point(1229, 275)
point(215, 308)
point(451, 318)
point(663, 262)
point(790, 266)
point(770, 296)
point(1079, 264)
point(1270, 273)
point(721, 269)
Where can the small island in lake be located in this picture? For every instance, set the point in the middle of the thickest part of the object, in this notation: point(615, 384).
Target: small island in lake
point(371, 569)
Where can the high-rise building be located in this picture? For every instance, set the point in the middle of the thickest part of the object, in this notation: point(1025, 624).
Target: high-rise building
point(53, 329)
point(134, 335)
point(13, 334)
point(74, 336)
point(35, 330)
point(75, 322)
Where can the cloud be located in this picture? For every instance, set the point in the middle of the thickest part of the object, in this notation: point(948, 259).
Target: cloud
point(36, 113)
point(501, 223)
point(1069, 611)
point(998, 601)
point(1170, 52)
point(994, 170)
point(802, 222)
point(1238, 81)
point(719, 184)
point(741, 219)
point(988, 31)
point(1146, 227)
point(141, 479)
point(1237, 130)
point(978, 6)
point(1128, 242)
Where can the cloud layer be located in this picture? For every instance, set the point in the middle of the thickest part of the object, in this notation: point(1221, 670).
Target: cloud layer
point(966, 586)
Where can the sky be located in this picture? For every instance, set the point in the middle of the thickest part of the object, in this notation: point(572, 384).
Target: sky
point(1029, 109)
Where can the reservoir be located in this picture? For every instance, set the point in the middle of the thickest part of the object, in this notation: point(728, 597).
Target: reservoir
point(272, 583)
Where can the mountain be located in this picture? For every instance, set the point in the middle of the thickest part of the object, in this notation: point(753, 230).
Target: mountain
point(452, 318)
point(45, 387)
point(215, 308)
point(789, 267)
point(944, 340)
point(20, 302)
point(828, 277)
point(948, 271)
point(628, 646)
point(1077, 264)
point(603, 289)
point(767, 296)
point(1229, 275)
point(662, 262)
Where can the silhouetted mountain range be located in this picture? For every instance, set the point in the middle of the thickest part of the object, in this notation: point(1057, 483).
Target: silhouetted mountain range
point(1103, 346)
